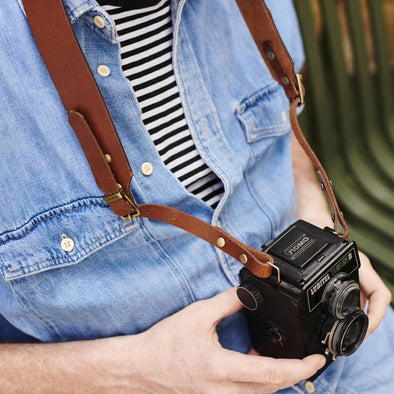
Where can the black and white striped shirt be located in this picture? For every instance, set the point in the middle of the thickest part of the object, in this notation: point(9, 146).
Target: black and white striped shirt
point(146, 35)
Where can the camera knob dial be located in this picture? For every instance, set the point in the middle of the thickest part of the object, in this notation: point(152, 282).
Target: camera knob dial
point(250, 296)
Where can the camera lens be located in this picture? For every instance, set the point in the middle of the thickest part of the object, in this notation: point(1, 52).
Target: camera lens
point(347, 334)
point(341, 296)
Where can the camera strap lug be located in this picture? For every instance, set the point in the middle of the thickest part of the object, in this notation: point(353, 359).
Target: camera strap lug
point(277, 269)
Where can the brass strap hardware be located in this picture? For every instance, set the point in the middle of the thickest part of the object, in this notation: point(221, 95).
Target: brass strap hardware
point(121, 195)
point(275, 267)
point(300, 87)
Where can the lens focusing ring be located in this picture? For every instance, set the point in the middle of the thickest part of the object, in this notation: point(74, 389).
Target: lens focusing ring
point(347, 334)
point(341, 296)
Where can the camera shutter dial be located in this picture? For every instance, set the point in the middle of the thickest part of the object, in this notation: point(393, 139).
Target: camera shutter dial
point(250, 297)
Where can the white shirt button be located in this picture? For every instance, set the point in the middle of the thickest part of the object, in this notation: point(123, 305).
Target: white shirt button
point(103, 70)
point(147, 168)
point(67, 244)
point(99, 21)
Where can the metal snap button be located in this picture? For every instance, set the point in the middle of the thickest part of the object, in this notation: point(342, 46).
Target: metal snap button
point(309, 387)
point(147, 168)
point(103, 70)
point(243, 258)
point(99, 21)
point(67, 244)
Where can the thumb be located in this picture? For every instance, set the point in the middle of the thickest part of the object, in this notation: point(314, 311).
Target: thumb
point(222, 305)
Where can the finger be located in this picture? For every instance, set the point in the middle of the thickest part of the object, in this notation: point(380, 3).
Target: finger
point(376, 309)
point(254, 352)
point(220, 306)
point(373, 289)
point(242, 388)
point(247, 368)
point(363, 300)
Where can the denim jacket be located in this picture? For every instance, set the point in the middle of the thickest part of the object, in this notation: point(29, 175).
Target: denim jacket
point(120, 277)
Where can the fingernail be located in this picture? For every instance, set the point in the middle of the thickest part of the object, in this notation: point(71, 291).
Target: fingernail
point(322, 362)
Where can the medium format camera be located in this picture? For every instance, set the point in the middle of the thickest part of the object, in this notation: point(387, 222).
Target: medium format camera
point(311, 304)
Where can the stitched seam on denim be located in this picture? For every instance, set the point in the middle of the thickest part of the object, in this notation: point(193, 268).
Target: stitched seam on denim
point(228, 260)
point(254, 98)
point(75, 258)
point(225, 267)
point(34, 222)
point(209, 112)
point(265, 211)
point(52, 330)
point(260, 136)
point(254, 134)
point(340, 390)
point(298, 388)
point(322, 386)
point(105, 33)
point(282, 128)
point(73, 15)
point(173, 263)
point(252, 102)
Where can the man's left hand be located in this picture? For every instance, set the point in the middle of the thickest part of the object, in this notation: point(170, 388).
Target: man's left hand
point(374, 291)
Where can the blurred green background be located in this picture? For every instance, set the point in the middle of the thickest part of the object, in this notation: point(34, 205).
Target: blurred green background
point(349, 113)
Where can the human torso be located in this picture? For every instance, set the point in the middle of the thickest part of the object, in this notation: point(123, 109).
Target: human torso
point(123, 276)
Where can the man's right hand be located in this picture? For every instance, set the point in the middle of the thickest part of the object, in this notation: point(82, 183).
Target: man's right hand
point(180, 354)
point(183, 354)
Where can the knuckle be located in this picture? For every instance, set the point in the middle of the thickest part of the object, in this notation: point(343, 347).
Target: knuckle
point(213, 371)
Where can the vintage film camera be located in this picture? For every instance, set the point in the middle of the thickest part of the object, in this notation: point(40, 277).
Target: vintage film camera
point(312, 303)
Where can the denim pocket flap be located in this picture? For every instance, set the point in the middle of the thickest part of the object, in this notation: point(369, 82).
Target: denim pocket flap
point(264, 114)
point(59, 237)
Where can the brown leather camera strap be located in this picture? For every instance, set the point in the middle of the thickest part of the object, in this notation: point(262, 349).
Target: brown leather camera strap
point(91, 122)
point(281, 65)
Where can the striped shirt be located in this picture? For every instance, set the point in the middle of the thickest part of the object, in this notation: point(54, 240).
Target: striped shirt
point(146, 36)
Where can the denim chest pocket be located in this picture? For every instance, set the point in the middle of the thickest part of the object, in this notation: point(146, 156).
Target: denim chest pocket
point(59, 237)
point(264, 114)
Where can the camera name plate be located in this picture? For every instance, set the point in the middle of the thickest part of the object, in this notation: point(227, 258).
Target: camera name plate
point(346, 263)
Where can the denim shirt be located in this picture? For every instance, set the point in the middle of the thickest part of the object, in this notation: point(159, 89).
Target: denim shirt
point(123, 276)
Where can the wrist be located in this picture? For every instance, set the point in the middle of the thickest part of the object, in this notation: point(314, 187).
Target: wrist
point(117, 364)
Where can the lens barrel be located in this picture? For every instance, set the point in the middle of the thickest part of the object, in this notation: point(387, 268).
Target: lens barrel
point(346, 335)
point(341, 296)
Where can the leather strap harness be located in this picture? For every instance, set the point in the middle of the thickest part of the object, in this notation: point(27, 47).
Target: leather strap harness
point(92, 123)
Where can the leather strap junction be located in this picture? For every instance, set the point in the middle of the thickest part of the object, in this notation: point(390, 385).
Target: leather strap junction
point(92, 123)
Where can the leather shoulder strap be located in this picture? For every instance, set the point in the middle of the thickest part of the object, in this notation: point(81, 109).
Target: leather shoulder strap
point(88, 114)
point(94, 128)
point(270, 45)
point(91, 122)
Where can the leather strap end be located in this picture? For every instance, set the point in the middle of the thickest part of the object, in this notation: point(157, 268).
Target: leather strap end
point(123, 205)
point(321, 173)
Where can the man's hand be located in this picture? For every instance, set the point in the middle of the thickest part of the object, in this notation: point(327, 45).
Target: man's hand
point(183, 355)
point(374, 291)
point(180, 354)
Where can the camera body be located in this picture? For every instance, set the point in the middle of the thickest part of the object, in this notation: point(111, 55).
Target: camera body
point(311, 302)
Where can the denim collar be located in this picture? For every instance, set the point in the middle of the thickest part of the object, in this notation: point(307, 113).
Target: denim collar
point(76, 8)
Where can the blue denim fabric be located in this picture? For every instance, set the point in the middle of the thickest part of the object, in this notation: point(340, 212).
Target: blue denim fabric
point(124, 276)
